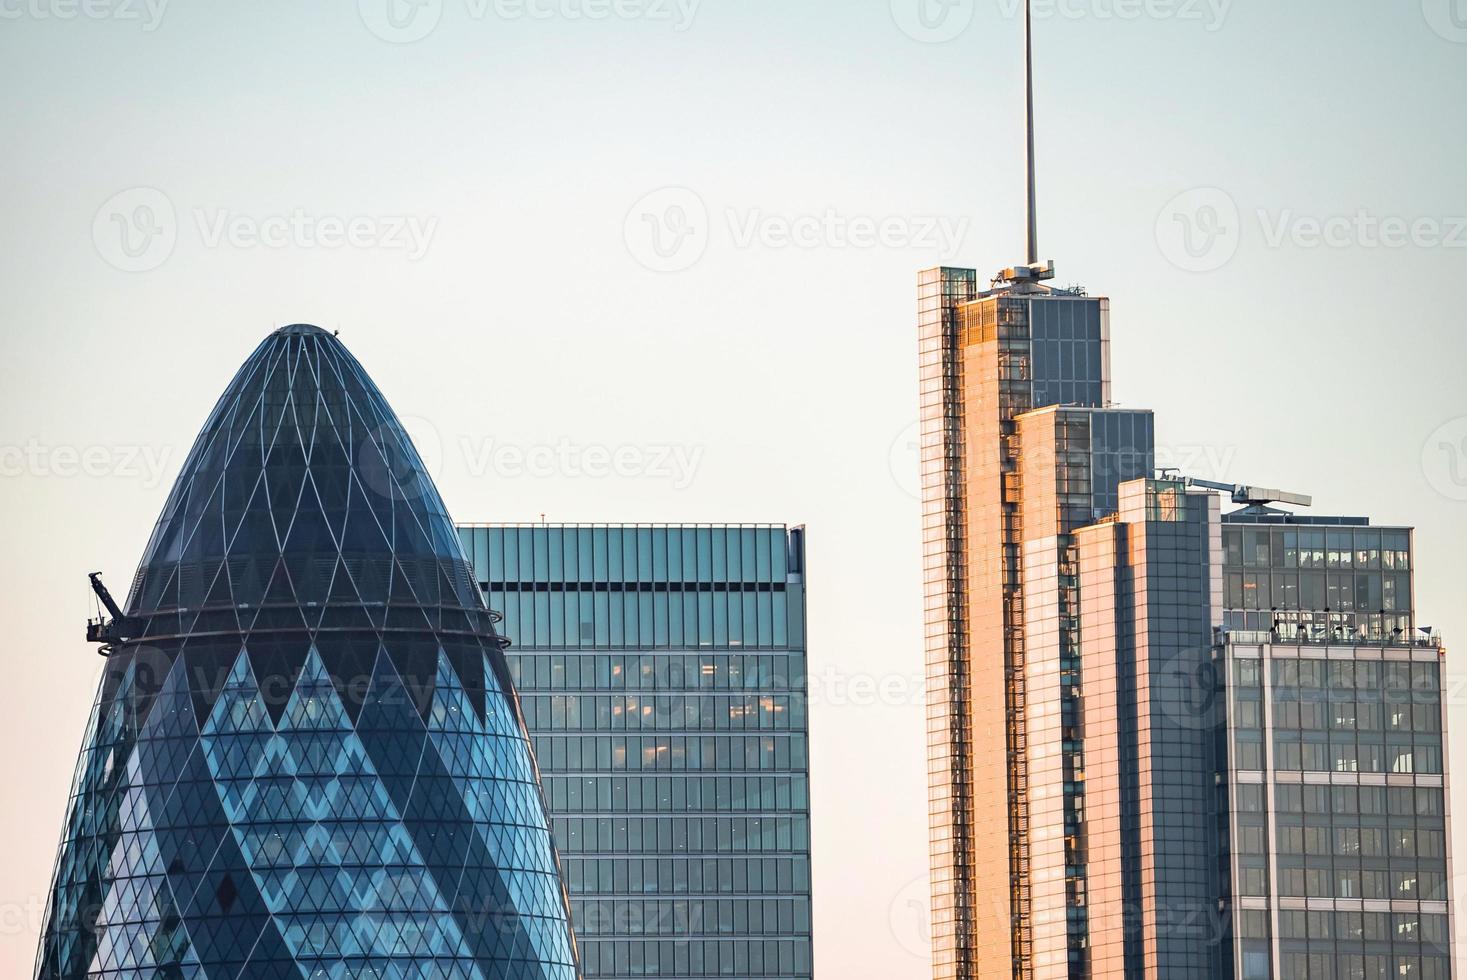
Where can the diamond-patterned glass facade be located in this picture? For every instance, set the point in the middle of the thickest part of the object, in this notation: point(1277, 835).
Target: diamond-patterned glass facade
point(306, 758)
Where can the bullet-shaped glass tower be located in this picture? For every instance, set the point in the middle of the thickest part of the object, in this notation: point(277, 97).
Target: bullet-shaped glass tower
point(306, 758)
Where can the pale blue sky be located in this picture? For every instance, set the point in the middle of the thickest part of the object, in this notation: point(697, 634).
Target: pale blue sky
point(522, 151)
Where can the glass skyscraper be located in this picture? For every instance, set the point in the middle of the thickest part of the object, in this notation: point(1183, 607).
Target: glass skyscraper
point(1161, 741)
point(1337, 811)
point(1008, 477)
point(663, 678)
point(306, 758)
point(1318, 577)
point(1149, 583)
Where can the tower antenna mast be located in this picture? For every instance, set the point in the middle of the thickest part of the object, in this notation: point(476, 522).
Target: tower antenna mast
point(1033, 271)
point(1029, 115)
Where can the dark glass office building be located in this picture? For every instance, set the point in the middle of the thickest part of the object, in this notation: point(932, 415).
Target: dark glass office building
point(1318, 577)
point(1338, 810)
point(306, 759)
point(1149, 582)
point(662, 676)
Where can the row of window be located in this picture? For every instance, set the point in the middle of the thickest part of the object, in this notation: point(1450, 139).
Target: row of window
point(690, 917)
point(1369, 927)
point(1348, 883)
point(1318, 757)
point(671, 712)
point(1308, 548)
point(1319, 966)
point(549, 620)
point(628, 554)
point(1343, 716)
point(672, 672)
point(1390, 680)
point(1349, 842)
point(683, 794)
point(687, 875)
point(681, 835)
point(1381, 592)
point(751, 959)
point(1293, 756)
point(1347, 966)
point(676, 753)
point(1427, 801)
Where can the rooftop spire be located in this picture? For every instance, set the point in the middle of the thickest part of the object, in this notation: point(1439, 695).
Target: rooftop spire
point(1034, 271)
point(1029, 83)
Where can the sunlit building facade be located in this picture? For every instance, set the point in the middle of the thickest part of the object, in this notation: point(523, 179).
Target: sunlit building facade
point(1128, 689)
point(1005, 485)
point(663, 679)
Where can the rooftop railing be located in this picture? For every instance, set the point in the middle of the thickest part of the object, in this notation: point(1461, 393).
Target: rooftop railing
point(1338, 638)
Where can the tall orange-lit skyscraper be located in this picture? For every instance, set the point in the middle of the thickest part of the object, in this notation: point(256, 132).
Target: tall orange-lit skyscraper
point(1161, 742)
point(1019, 450)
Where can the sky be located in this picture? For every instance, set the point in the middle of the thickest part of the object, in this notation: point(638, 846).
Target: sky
point(655, 260)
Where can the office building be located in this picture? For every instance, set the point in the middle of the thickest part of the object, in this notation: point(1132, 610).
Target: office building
point(1008, 477)
point(1150, 579)
point(305, 757)
point(1337, 811)
point(1318, 577)
point(663, 679)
